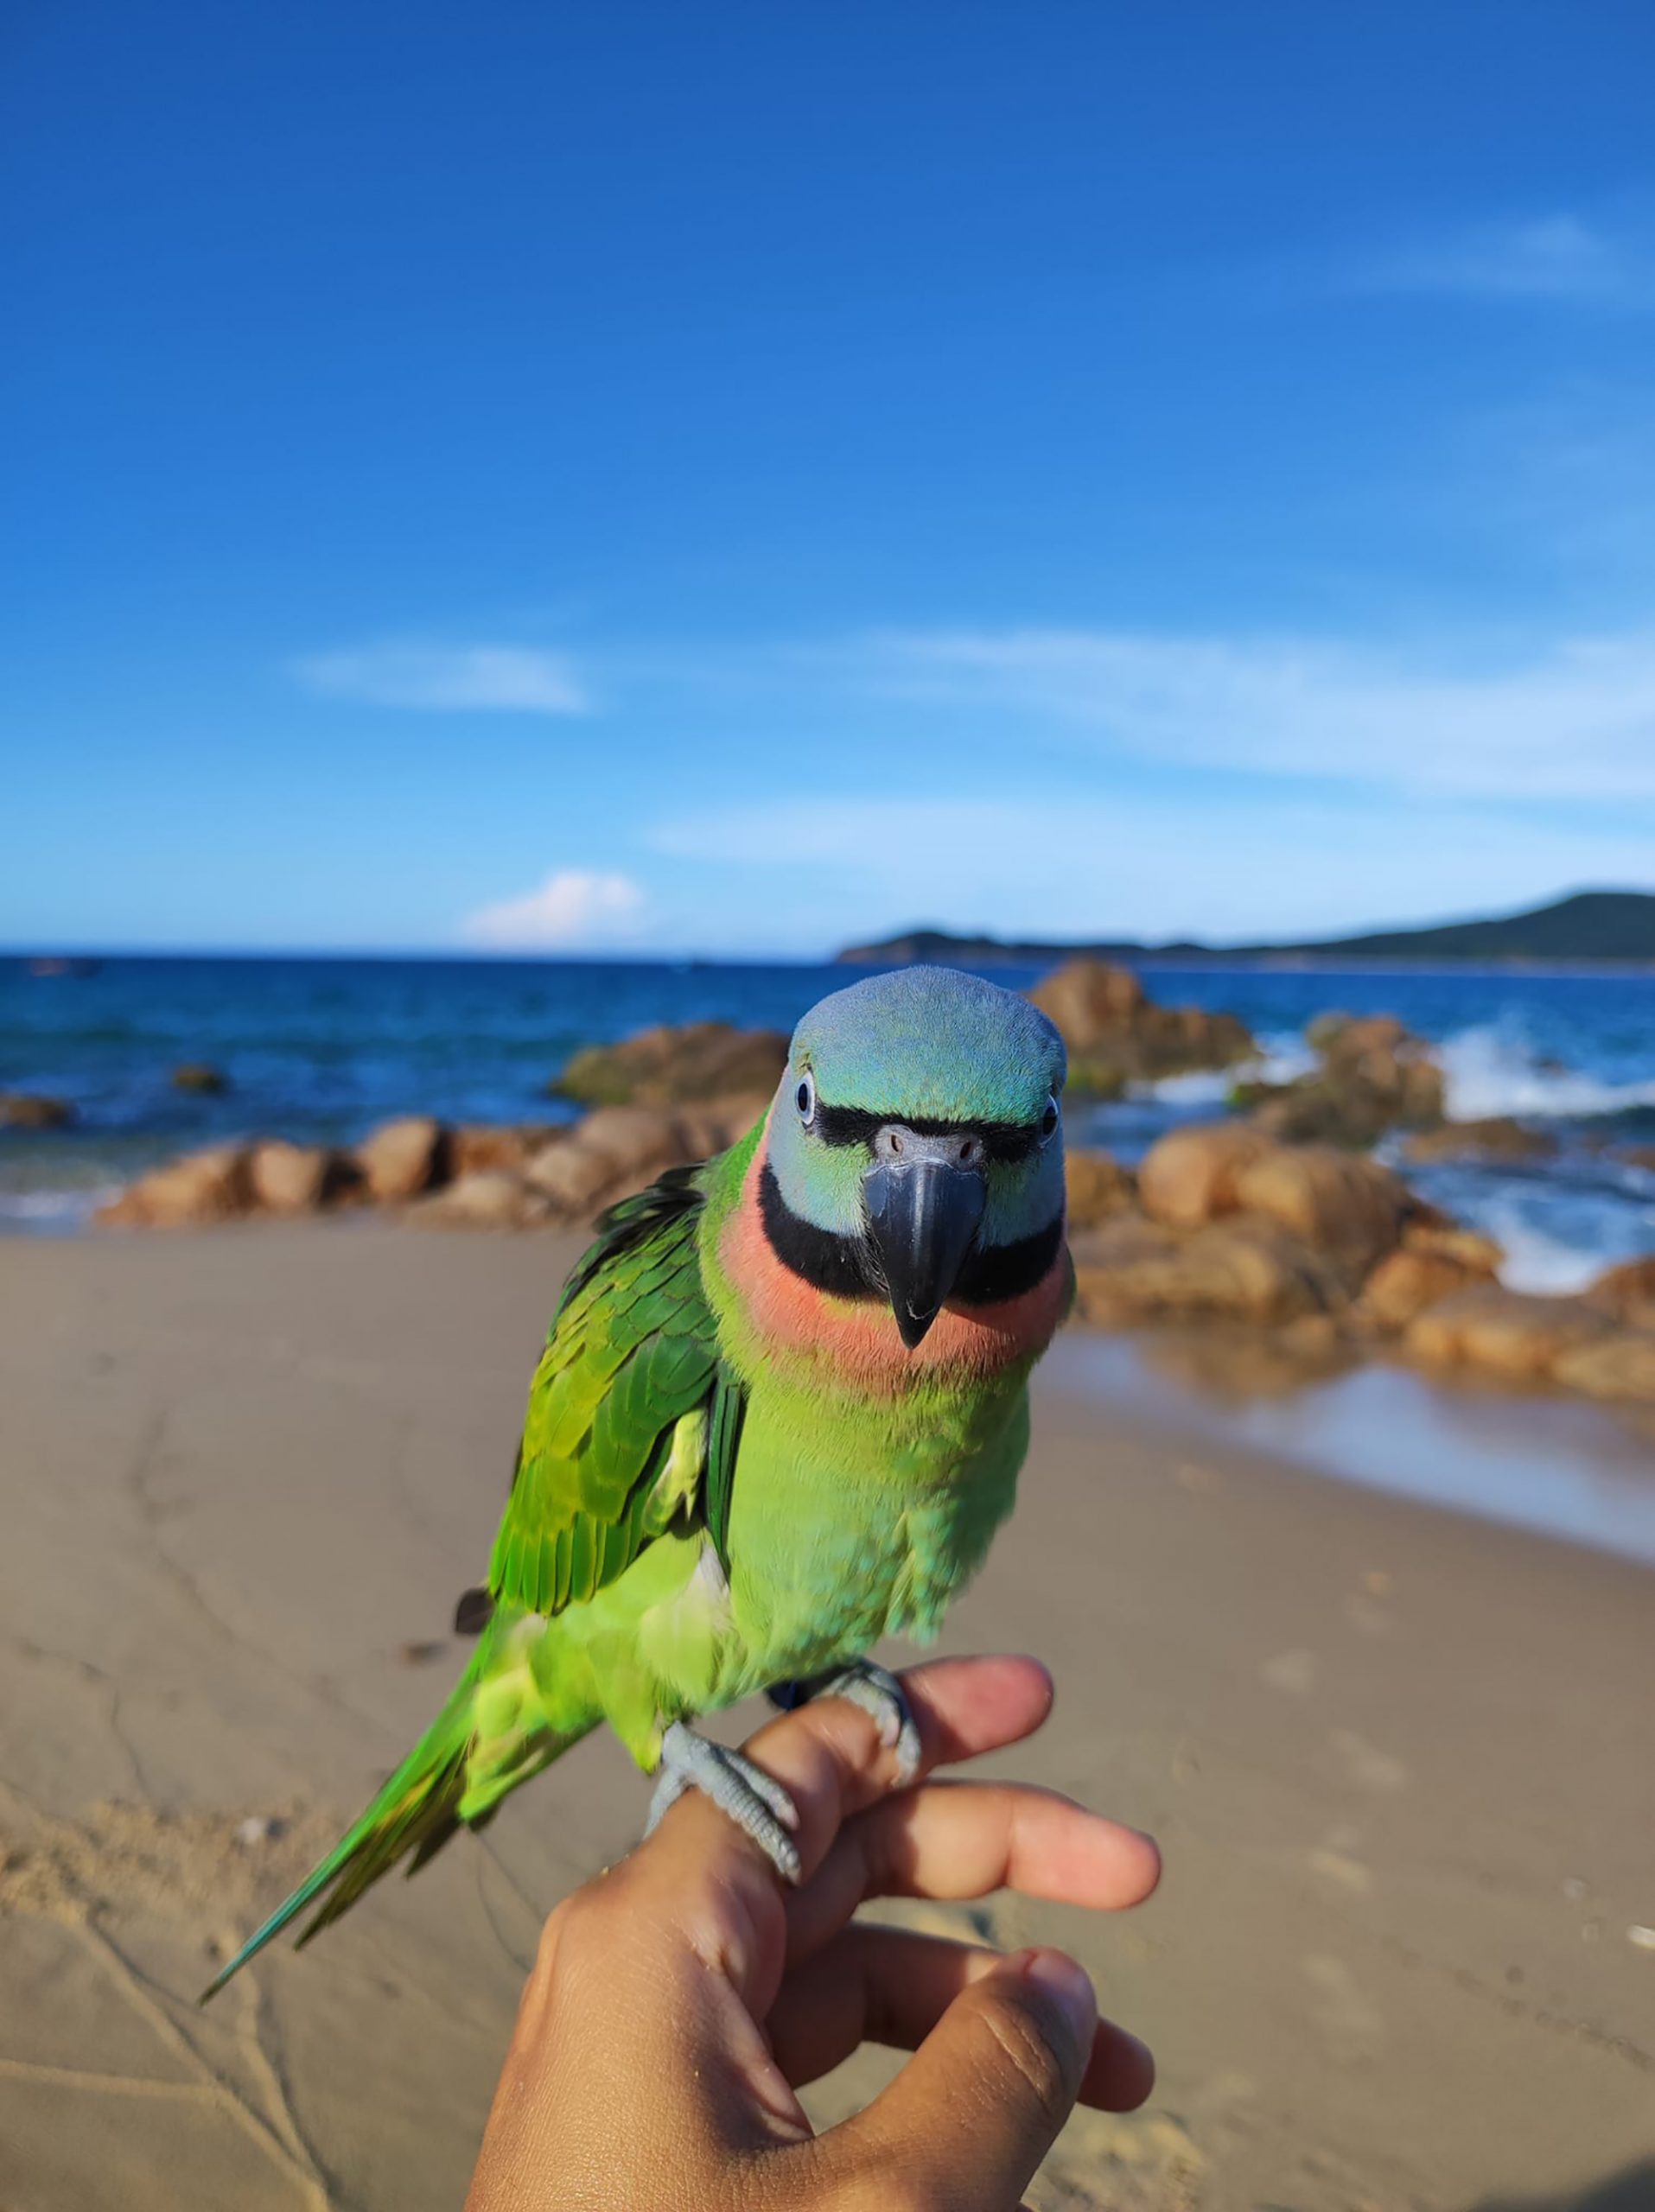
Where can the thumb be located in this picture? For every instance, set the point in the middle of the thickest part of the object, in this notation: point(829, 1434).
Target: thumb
point(970, 2118)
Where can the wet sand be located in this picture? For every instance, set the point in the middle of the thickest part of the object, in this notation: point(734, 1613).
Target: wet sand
point(1401, 1763)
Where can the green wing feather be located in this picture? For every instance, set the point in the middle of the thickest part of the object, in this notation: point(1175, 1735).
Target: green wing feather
point(633, 1425)
point(632, 1351)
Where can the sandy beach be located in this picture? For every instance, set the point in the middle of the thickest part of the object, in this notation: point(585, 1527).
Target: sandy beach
point(1401, 1764)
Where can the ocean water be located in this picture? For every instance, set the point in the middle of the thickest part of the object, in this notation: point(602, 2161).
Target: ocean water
point(321, 1049)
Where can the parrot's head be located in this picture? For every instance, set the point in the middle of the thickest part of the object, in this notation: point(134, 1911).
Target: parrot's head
point(914, 1147)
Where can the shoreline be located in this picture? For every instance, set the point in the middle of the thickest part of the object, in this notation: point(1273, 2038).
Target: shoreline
point(1397, 1758)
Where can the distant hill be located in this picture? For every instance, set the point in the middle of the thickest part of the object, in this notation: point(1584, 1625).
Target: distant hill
point(1589, 925)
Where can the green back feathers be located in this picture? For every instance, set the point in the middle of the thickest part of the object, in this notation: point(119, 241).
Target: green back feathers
point(632, 1420)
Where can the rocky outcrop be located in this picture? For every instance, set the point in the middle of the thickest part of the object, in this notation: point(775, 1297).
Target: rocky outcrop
point(32, 1109)
point(1246, 1269)
point(196, 1075)
point(1349, 1211)
point(1506, 1333)
point(668, 1066)
point(284, 1177)
point(483, 1198)
point(1375, 1075)
point(1096, 1187)
point(477, 1145)
point(1430, 1265)
point(403, 1158)
point(203, 1186)
point(1496, 1137)
point(1116, 1035)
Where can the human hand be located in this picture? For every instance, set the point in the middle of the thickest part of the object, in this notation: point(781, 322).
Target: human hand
point(679, 2000)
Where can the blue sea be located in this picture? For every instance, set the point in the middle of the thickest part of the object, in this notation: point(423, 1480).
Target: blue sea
point(324, 1048)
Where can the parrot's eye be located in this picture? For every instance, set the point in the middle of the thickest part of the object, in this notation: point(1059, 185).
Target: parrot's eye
point(805, 1099)
point(1049, 1121)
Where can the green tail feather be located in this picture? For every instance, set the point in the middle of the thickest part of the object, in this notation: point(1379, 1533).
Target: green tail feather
point(418, 1810)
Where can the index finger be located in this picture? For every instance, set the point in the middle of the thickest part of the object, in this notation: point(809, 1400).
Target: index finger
point(829, 1757)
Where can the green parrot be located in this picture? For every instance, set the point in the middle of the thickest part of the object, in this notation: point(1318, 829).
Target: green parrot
point(780, 1414)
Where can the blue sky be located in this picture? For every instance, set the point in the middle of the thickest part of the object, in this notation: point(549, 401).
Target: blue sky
point(736, 478)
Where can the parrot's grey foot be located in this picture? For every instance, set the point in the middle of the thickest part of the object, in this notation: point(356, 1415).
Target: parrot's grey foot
point(878, 1692)
point(760, 1806)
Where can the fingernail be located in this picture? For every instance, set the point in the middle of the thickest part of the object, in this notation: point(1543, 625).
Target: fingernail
point(1068, 1986)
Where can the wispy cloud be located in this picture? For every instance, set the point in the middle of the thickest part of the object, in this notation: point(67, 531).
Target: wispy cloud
point(449, 679)
point(572, 907)
point(1557, 258)
point(1573, 720)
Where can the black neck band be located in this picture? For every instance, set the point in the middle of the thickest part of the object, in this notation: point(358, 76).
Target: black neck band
point(849, 1267)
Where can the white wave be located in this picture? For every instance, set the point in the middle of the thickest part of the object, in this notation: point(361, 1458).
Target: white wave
point(54, 1208)
point(1536, 1261)
point(1284, 1057)
point(1488, 1071)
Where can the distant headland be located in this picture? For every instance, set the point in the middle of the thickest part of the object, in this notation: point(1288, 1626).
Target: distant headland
point(1588, 926)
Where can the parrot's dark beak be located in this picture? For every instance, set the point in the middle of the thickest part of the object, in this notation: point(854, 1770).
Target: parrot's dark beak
point(925, 1197)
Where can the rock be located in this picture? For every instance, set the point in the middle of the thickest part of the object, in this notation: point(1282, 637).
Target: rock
point(1627, 1293)
point(286, 1178)
point(197, 1076)
point(32, 1109)
point(488, 1198)
point(1115, 1033)
point(1503, 1332)
point(1637, 1155)
point(1408, 1280)
point(203, 1186)
point(1189, 1176)
point(1375, 1075)
point(1496, 1137)
point(1242, 1269)
point(573, 1178)
point(718, 1124)
point(1477, 1253)
point(665, 1067)
point(1098, 1187)
point(481, 1145)
point(1348, 1209)
point(1619, 1365)
point(403, 1158)
point(639, 1139)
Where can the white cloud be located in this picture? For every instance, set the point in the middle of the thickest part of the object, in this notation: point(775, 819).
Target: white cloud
point(449, 679)
point(1574, 719)
point(1557, 258)
point(572, 907)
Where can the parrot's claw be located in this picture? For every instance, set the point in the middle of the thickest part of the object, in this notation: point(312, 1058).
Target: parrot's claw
point(757, 1803)
point(878, 1692)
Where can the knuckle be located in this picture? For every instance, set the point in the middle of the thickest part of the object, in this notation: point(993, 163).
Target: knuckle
point(1023, 2055)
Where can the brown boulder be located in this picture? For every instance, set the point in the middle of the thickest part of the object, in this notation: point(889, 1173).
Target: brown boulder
point(664, 1066)
point(570, 1176)
point(484, 1197)
point(1477, 1254)
point(1627, 1293)
point(403, 1158)
point(202, 1187)
point(639, 1139)
point(1347, 1207)
point(32, 1109)
point(720, 1124)
point(1116, 1034)
point(197, 1076)
point(1098, 1187)
point(479, 1145)
point(1190, 1175)
point(1375, 1075)
point(1241, 1269)
point(1504, 1332)
point(286, 1178)
point(1408, 1280)
point(1495, 1137)
point(1622, 1365)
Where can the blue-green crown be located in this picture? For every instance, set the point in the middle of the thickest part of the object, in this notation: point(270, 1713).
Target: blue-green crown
point(933, 1044)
